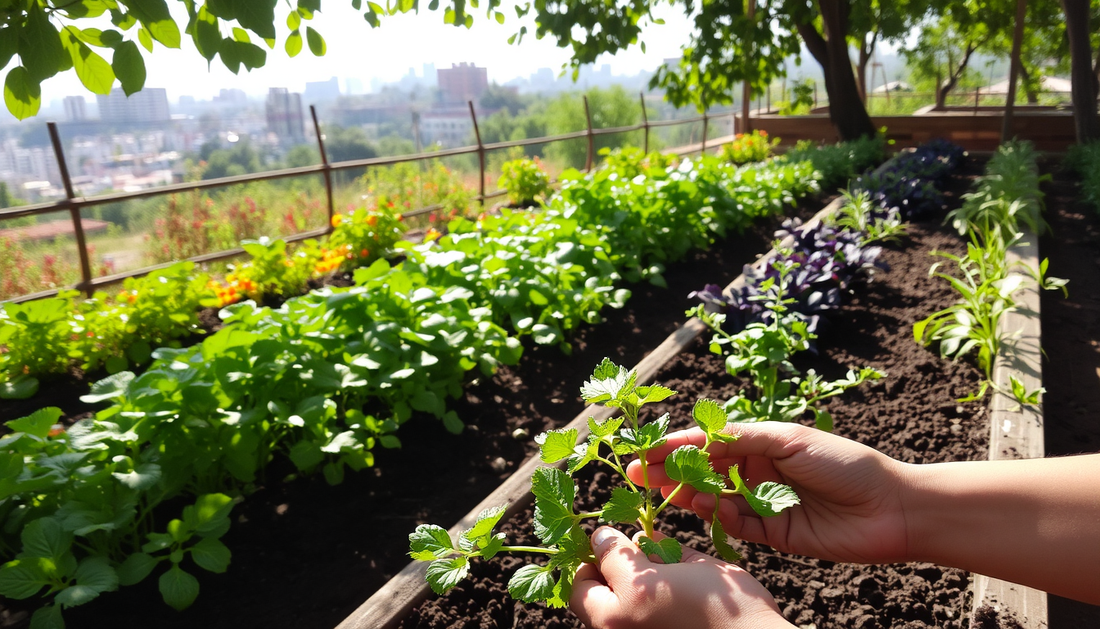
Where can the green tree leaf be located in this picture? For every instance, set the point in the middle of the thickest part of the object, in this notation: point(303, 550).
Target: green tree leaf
point(23, 97)
point(211, 554)
point(155, 17)
point(316, 42)
point(129, 67)
point(293, 43)
point(625, 506)
point(668, 549)
point(444, 574)
point(93, 70)
point(178, 588)
point(44, 55)
point(555, 445)
point(257, 16)
point(532, 583)
point(690, 465)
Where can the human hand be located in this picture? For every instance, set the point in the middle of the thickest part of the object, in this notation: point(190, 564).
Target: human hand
point(628, 590)
point(852, 507)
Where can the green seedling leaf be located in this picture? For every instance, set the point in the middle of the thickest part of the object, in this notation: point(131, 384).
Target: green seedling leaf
point(491, 546)
point(444, 574)
point(135, 568)
point(452, 423)
point(486, 522)
point(609, 382)
point(37, 423)
point(48, 617)
point(22, 578)
point(668, 549)
point(625, 506)
point(178, 588)
point(429, 542)
point(555, 445)
point(211, 554)
point(691, 466)
point(647, 436)
point(654, 393)
point(45, 538)
point(768, 499)
point(603, 429)
point(108, 388)
point(554, 494)
point(721, 540)
point(532, 583)
point(710, 416)
point(144, 477)
point(19, 388)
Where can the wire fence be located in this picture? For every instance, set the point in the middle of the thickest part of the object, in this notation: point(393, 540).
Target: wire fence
point(73, 204)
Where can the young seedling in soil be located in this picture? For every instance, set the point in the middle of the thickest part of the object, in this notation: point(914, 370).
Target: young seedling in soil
point(556, 521)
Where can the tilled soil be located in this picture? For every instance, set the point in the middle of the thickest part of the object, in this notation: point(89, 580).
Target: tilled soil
point(912, 416)
point(306, 554)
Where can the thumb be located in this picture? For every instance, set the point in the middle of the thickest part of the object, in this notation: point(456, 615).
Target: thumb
point(619, 559)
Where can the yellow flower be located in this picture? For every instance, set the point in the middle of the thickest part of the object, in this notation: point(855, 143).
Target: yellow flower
point(337, 219)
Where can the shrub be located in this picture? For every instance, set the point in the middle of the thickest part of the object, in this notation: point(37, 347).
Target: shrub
point(525, 181)
point(746, 149)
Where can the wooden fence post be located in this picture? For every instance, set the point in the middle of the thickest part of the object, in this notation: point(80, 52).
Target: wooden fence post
point(480, 155)
point(703, 148)
point(645, 125)
point(591, 137)
point(74, 212)
point(324, 164)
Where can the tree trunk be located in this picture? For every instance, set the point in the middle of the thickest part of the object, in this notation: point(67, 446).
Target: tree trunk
point(953, 77)
point(1081, 74)
point(1029, 88)
point(1014, 70)
point(846, 109)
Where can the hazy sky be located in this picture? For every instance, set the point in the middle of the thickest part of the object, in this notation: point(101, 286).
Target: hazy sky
point(358, 51)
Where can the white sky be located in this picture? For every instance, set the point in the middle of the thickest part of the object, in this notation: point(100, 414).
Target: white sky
point(356, 50)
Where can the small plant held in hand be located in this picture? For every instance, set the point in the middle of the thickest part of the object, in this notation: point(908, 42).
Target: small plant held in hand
point(557, 522)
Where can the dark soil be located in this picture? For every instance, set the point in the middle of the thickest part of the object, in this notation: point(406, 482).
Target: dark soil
point(306, 554)
point(1071, 341)
point(912, 416)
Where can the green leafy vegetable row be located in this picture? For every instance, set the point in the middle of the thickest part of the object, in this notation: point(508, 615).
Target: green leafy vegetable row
point(328, 376)
point(1006, 199)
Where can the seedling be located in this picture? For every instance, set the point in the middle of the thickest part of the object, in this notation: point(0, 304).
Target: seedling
point(557, 523)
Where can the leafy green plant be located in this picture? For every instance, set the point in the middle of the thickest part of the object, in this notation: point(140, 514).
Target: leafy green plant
point(858, 214)
point(839, 162)
point(556, 520)
point(525, 181)
point(746, 149)
point(763, 352)
point(1083, 160)
point(1007, 197)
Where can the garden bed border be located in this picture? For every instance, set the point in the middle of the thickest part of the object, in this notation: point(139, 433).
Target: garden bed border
point(1016, 432)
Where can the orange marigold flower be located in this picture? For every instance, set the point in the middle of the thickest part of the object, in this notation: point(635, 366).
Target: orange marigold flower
point(431, 235)
point(372, 220)
point(364, 253)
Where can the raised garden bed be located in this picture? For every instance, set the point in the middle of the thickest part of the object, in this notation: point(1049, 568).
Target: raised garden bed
point(913, 417)
point(306, 554)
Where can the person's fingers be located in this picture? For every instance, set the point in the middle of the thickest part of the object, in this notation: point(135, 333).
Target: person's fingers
point(620, 561)
point(591, 600)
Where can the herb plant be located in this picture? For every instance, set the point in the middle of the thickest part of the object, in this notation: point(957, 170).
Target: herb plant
point(557, 523)
point(748, 148)
point(525, 181)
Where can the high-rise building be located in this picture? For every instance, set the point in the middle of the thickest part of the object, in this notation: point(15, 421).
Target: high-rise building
point(284, 114)
point(462, 82)
point(75, 109)
point(320, 91)
point(148, 105)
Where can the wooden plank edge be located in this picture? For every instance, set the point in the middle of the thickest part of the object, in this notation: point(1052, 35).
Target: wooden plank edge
point(1015, 432)
point(386, 607)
